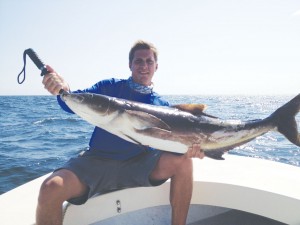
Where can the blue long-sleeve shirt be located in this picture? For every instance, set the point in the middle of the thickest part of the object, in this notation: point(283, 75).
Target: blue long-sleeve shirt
point(103, 143)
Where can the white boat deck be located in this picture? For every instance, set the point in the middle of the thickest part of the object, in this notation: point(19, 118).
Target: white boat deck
point(255, 187)
point(198, 215)
point(251, 185)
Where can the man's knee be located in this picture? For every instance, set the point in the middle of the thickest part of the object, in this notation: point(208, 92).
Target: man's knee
point(186, 165)
point(50, 189)
point(171, 165)
point(60, 186)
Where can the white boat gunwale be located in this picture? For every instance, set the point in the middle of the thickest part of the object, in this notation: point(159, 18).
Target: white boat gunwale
point(257, 186)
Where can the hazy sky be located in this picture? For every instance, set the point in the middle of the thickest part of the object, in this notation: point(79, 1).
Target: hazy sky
point(205, 46)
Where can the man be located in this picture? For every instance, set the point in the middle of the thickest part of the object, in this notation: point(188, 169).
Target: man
point(112, 163)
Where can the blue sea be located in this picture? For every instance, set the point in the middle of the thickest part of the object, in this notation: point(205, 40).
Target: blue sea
point(36, 136)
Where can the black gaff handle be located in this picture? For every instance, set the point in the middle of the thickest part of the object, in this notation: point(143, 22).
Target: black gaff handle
point(37, 61)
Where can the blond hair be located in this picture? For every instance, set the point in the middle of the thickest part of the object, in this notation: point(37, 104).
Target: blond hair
point(140, 44)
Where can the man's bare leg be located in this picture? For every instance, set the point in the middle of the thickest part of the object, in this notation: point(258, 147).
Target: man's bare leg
point(180, 170)
point(59, 187)
point(181, 192)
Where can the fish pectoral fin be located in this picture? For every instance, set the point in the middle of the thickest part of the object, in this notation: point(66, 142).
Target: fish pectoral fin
point(147, 120)
point(195, 109)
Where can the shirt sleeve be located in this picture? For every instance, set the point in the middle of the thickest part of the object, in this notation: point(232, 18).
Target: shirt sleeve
point(158, 100)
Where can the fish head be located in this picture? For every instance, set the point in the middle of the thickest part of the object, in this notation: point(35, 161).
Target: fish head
point(92, 107)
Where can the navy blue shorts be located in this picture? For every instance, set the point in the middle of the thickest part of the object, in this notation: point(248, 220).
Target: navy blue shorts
point(105, 175)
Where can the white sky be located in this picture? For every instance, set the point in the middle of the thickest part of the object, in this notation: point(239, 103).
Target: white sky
point(205, 46)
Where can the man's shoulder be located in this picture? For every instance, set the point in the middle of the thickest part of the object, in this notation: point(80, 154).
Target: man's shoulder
point(159, 100)
point(112, 81)
point(111, 86)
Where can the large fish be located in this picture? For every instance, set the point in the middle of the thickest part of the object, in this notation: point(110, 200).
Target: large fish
point(176, 128)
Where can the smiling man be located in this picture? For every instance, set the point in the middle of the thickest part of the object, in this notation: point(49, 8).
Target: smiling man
point(143, 64)
point(112, 163)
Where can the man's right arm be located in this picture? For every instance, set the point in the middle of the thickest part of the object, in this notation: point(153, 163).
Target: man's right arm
point(53, 83)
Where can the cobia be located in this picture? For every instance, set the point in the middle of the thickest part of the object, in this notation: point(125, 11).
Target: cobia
point(176, 128)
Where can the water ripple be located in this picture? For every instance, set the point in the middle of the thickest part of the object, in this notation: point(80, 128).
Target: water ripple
point(37, 136)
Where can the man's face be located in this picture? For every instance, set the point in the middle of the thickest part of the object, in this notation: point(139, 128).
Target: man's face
point(143, 67)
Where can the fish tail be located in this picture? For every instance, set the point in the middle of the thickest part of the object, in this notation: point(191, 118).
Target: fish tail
point(285, 120)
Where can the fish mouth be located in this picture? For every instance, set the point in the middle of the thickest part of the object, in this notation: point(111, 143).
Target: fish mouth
point(63, 94)
point(66, 96)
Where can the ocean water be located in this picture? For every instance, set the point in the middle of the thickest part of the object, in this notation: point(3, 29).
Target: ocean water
point(36, 136)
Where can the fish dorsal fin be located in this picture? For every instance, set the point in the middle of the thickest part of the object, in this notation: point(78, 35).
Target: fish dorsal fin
point(195, 109)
